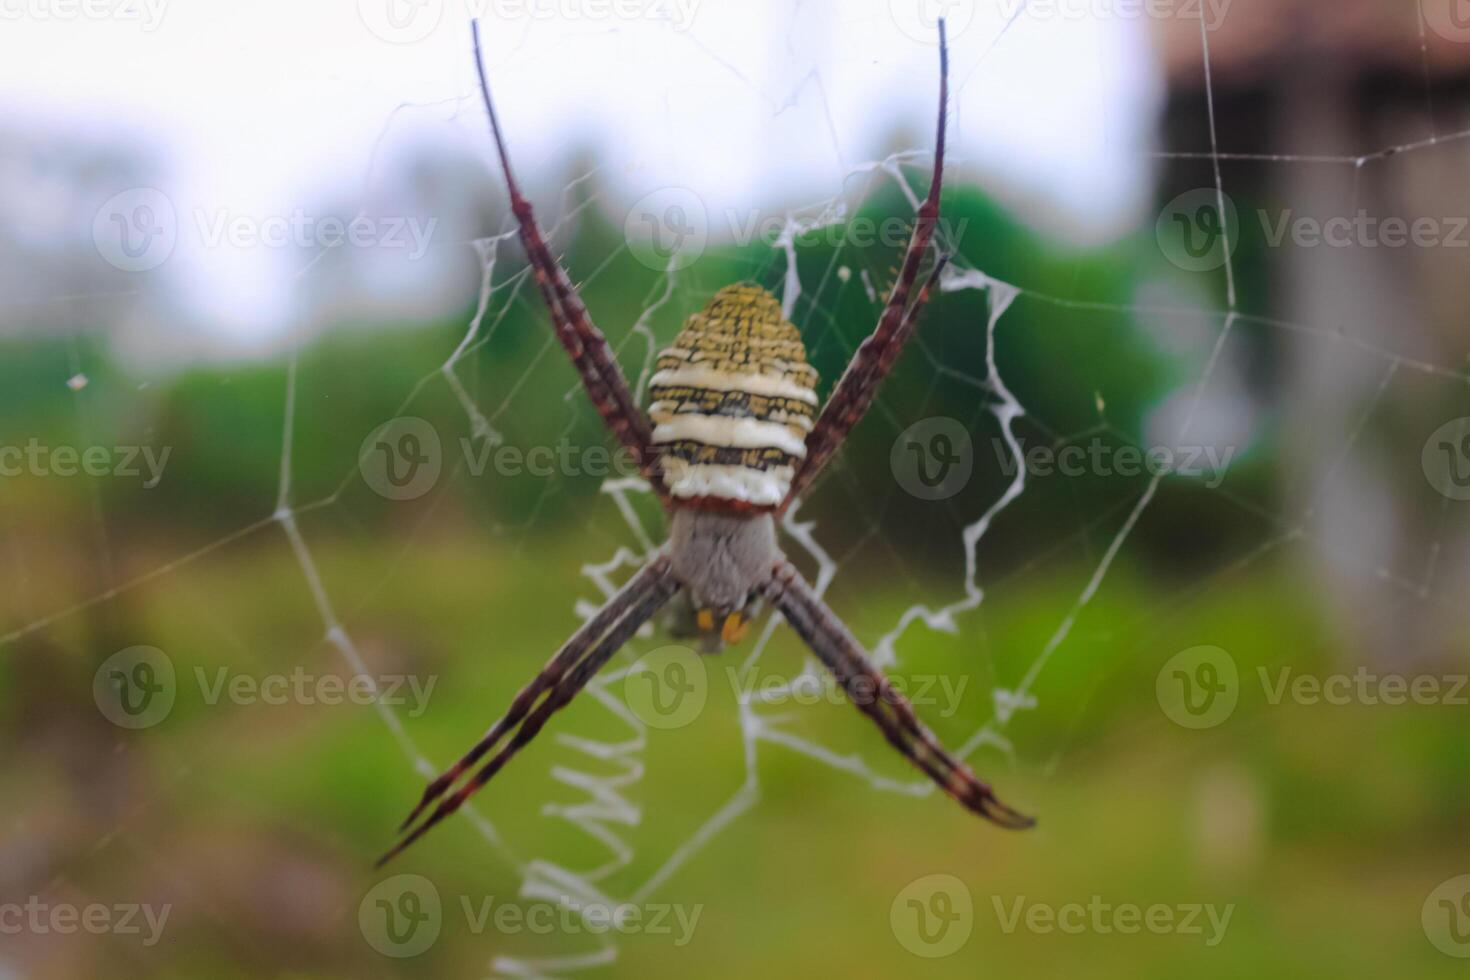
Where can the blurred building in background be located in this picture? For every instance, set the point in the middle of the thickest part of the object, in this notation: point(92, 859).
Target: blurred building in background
point(1335, 109)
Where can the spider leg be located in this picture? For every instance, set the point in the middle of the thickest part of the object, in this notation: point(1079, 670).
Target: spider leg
point(877, 354)
point(564, 659)
point(591, 355)
point(875, 696)
point(560, 680)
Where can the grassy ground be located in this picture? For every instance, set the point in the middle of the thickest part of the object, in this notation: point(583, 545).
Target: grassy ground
point(1318, 830)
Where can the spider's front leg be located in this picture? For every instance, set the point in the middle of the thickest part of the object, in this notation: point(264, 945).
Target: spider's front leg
point(877, 354)
point(589, 350)
point(875, 696)
point(560, 680)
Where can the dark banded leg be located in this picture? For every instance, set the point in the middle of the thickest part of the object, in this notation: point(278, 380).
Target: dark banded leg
point(589, 350)
point(875, 696)
point(560, 680)
point(555, 668)
point(876, 355)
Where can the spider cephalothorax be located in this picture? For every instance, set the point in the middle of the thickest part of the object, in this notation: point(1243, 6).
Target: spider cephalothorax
point(731, 437)
point(721, 560)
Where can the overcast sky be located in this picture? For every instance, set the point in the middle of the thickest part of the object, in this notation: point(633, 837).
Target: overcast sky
point(266, 107)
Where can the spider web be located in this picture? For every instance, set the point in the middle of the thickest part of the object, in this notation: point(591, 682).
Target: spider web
point(601, 789)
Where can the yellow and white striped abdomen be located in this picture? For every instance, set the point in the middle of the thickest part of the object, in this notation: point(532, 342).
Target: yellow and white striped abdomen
point(732, 402)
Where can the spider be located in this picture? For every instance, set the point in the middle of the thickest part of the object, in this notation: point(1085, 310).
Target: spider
point(731, 437)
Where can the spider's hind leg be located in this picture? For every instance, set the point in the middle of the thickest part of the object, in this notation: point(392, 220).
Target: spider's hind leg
point(873, 694)
point(560, 680)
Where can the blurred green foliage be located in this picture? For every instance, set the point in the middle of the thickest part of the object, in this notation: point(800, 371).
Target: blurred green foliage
point(1323, 827)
